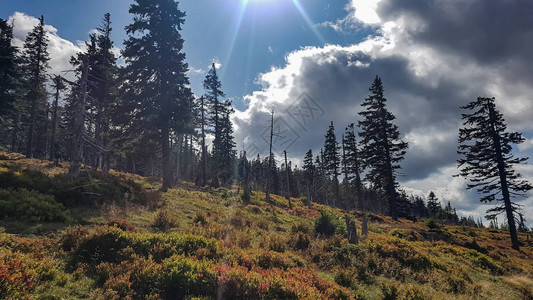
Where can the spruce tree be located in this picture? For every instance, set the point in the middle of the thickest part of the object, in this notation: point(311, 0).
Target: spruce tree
point(219, 115)
point(488, 162)
point(156, 84)
point(382, 149)
point(35, 59)
point(105, 72)
point(434, 206)
point(58, 86)
point(309, 171)
point(352, 162)
point(9, 71)
point(331, 159)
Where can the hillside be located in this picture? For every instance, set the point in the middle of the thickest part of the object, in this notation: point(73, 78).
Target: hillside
point(114, 236)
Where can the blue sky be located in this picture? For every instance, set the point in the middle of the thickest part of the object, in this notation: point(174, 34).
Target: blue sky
point(246, 37)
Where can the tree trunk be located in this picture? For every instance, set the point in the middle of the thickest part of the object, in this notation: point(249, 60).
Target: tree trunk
point(75, 165)
point(351, 231)
point(54, 127)
point(270, 160)
point(503, 181)
point(204, 147)
point(165, 143)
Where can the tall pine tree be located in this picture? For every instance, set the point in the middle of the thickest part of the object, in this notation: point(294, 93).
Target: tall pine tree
point(155, 74)
point(331, 159)
point(488, 162)
point(221, 126)
point(352, 163)
point(434, 206)
point(309, 172)
point(9, 70)
point(105, 72)
point(382, 149)
point(35, 58)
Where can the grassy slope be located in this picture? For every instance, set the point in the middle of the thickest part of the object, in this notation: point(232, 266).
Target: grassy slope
point(394, 260)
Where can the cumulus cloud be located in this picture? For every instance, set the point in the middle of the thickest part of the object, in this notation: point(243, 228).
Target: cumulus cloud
point(59, 48)
point(433, 58)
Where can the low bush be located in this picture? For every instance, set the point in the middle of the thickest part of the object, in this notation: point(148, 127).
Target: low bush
point(345, 278)
point(484, 262)
point(433, 224)
point(113, 245)
point(17, 280)
point(163, 221)
point(302, 242)
point(241, 283)
point(200, 218)
point(122, 224)
point(31, 206)
point(328, 224)
point(173, 278)
point(92, 188)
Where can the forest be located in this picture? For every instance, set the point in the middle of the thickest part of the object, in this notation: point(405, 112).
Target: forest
point(140, 119)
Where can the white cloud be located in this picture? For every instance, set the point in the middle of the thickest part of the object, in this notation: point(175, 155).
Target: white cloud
point(196, 71)
point(217, 63)
point(60, 49)
point(427, 76)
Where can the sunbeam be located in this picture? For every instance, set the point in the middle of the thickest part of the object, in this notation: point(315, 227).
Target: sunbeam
point(310, 24)
point(240, 16)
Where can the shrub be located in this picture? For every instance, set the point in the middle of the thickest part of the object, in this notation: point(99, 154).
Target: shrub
point(88, 189)
point(345, 278)
point(113, 245)
point(431, 223)
point(31, 206)
point(302, 242)
point(72, 237)
point(328, 224)
point(16, 279)
point(277, 243)
point(181, 276)
point(164, 221)
point(241, 283)
point(200, 218)
point(484, 262)
point(122, 224)
point(390, 292)
point(302, 227)
point(173, 278)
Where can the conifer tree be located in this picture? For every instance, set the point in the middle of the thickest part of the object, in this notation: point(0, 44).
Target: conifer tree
point(219, 111)
point(488, 162)
point(9, 70)
point(382, 149)
point(105, 72)
point(58, 85)
point(331, 159)
point(309, 171)
point(157, 86)
point(434, 206)
point(35, 59)
point(352, 162)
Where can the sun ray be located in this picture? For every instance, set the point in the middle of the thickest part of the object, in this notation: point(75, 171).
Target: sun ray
point(240, 17)
point(310, 24)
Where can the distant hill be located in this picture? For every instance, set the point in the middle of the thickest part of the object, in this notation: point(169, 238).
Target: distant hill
point(115, 236)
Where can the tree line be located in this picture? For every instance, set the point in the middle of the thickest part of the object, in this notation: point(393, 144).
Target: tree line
point(142, 117)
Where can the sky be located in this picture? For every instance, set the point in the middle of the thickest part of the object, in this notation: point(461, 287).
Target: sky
point(313, 61)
